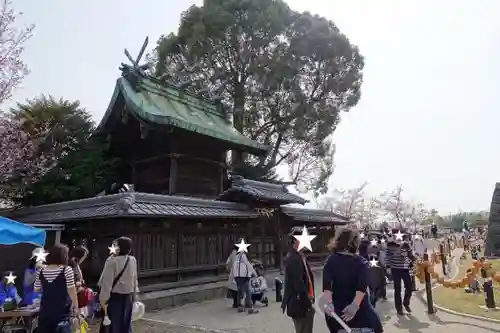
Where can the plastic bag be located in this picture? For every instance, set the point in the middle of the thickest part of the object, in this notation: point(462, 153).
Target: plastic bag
point(105, 325)
point(138, 310)
point(80, 326)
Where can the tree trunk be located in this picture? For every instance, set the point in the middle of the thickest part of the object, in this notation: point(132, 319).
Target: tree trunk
point(238, 119)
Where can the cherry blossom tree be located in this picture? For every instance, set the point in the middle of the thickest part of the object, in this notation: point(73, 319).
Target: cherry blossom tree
point(20, 164)
point(347, 202)
point(405, 213)
point(395, 207)
point(12, 40)
point(371, 212)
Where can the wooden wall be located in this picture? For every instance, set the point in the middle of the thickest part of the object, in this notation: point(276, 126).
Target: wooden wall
point(175, 251)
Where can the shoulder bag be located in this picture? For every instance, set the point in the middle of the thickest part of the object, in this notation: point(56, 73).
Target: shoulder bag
point(119, 276)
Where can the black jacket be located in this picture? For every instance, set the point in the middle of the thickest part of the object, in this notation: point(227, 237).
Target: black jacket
point(295, 298)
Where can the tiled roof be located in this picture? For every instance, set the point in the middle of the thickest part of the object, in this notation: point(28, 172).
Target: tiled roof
point(314, 215)
point(244, 190)
point(165, 104)
point(132, 204)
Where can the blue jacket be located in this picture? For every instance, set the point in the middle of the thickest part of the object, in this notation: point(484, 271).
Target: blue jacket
point(7, 291)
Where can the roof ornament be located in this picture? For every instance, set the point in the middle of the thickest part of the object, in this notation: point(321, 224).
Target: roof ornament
point(135, 63)
point(123, 205)
point(212, 92)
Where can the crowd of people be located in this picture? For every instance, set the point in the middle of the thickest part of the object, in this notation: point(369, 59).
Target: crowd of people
point(56, 284)
point(351, 293)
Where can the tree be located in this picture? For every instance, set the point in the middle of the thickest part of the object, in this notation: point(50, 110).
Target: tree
point(62, 130)
point(12, 68)
point(347, 202)
point(419, 214)
point(397, 209)
point(20, 164)
point(372, 210)
point(83, 173)
point(285, 77)
point(60, 125)
point(457, 220)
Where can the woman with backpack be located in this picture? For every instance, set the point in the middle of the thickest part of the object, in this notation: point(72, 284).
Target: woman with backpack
point(56, 282)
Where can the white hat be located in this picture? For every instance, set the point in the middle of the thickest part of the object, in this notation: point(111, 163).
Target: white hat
point(138, 311)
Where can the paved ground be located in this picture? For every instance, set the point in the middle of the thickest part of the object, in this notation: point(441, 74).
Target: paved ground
point(218, 316)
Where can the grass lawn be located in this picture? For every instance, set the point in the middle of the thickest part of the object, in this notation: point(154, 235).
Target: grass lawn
point(458, 300)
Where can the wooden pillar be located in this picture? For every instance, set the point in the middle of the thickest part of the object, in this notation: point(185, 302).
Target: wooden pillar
point(58, 237)
point(172, 181)
point(278, 250)
point(223, 174)
point(172, 177)
point(250, 237)
point(180, 263)
point(263, 240)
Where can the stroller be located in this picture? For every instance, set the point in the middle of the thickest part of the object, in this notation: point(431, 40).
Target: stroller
point(258, 284)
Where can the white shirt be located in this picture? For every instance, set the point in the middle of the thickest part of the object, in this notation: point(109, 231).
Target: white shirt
point(241, 266)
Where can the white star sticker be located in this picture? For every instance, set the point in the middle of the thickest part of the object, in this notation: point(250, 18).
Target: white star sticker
point(113, 249)
point(242, 246)
point(40, 254)
point(373, 262)
point(399, 235)
point(373, 242)
point(304, 240)
point(10, 278)
point(382, 241)
point(362, 235)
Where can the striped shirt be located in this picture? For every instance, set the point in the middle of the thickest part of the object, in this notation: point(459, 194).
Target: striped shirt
point(50, 274)
point(398, 258)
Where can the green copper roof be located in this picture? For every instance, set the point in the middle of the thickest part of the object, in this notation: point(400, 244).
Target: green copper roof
point(167, 105)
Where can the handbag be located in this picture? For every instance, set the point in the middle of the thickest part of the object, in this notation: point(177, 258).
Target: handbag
point(85, 297)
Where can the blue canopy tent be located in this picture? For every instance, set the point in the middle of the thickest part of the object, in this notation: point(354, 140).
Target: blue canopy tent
point(17, 242)
point(12, 232)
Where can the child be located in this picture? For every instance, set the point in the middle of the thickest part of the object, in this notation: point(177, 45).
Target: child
point(9, 297)
point(258, 285)
point(474, 286)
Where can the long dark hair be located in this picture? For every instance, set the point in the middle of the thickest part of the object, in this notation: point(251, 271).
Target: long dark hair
point(32, 263)
point(75, 257)
point(363, 249)
point(78, 253)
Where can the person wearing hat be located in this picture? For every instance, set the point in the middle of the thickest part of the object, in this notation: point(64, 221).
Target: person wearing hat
point(298, 298)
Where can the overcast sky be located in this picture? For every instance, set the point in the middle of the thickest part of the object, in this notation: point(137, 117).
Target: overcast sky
point(429, 113)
